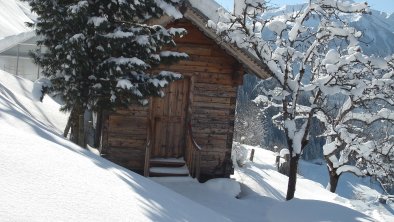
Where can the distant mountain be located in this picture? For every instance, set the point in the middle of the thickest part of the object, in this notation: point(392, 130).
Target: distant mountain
point(378, 28)
point(378, 39)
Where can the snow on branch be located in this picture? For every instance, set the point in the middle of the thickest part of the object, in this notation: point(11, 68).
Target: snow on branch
point(368, 118)
point(351, 169)
point(169, 9)
point(126, 61)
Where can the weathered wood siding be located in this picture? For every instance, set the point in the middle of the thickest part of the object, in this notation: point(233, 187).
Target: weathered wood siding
point(125, 136)
point(216, 76)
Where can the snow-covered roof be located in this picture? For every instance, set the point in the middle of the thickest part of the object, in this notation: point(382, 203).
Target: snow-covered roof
point(17, 11)
point(207, 7)
point(13, 30)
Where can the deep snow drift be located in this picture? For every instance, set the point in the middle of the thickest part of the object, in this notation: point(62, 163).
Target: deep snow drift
point(47, 178)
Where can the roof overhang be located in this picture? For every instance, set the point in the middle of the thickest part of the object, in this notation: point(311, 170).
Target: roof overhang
point(250, 62)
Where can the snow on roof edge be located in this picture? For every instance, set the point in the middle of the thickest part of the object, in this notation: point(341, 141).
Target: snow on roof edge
point(207, 7)
point(13, 40)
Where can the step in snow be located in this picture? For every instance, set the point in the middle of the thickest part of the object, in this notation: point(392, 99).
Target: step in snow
point(173, 179)
point(167, 162)
point(170, 170)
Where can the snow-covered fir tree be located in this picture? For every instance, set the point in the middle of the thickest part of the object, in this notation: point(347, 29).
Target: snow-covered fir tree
point(99, 52)
point(303, 61)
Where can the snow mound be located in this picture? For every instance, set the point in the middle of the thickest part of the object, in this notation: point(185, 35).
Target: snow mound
point(229, 187)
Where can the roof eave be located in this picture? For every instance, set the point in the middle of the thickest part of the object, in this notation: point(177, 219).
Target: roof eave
point(250, 64)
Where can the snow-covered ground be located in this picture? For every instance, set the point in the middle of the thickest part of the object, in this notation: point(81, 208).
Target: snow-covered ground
point(44, 177)
point(264, 190)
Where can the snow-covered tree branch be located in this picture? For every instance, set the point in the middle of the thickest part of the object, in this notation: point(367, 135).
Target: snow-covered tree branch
point(312, 52)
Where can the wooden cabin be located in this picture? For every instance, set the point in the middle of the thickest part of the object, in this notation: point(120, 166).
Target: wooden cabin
point(190, 130)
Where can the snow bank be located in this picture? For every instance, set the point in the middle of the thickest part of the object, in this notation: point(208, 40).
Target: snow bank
point(223, 185)
point(44, 177)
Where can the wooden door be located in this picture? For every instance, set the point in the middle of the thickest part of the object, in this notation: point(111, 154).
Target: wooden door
point(169, 121)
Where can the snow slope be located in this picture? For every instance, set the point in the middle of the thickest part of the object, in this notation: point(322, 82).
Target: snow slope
point(44, 177)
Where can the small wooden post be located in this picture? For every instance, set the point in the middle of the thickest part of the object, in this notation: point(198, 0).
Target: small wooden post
point(81, 132)
point(17, 60)
point(38, 68)
point(251, 155)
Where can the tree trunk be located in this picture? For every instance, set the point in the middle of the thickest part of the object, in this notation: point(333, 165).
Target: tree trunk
point(68, 127)
point(74, 118)
point(334, 178)
point(73, 124)
point(291, 186)
point(97, 131)
point(81, 131)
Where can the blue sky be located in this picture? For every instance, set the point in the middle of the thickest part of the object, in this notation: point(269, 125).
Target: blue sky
point(381, 5)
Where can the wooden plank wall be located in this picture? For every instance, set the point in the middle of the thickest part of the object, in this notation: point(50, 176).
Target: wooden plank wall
point(125, 136)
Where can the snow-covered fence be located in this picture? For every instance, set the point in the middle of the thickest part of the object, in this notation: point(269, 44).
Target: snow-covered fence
point(241, 154)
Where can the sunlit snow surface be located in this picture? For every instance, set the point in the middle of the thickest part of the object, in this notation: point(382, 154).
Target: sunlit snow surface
point(47, 178)
point(264, 190)
point(44, 177)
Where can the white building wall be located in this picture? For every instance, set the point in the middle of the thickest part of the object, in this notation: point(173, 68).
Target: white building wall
point(26, 68)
